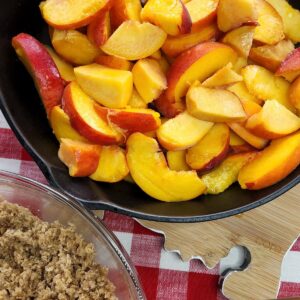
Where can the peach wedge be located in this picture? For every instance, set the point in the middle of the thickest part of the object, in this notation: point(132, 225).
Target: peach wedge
point(176, 160)
point(114, 62)
point(238, 145)
point(149, 169)
point(134, 40)
point(273, 164)
point(294, 94)
point(136, 101)
point(290, 67)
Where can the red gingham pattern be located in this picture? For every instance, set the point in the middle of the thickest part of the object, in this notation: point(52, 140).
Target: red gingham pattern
point(163, 275)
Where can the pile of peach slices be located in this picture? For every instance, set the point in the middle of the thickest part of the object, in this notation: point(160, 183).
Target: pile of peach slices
point(181, 97)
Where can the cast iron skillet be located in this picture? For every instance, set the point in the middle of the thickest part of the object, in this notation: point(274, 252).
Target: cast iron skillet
point(24, 112)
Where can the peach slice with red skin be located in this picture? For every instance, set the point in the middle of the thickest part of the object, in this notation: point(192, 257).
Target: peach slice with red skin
point(197, 63)
point(211, 150)
point(273, 121)
point(294, 94)
point(273, 164)
point(83, 117)
point(81, 158)
point(290, 67)
point(41, 67)
point(170, 15)
point(70, 14)
point(176, 160)
point(114, 62)
point(149, 169)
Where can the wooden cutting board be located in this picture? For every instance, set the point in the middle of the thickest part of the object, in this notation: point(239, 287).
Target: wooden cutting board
point(268, 232)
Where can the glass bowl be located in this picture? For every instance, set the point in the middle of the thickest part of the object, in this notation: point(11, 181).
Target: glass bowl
point(49, 205)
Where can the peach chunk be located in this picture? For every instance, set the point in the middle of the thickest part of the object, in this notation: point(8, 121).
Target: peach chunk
point(112, 165)
point(242, 92)
point(174, 46)
point(80, 108)
point(170, 15)
point(270, 29)
point(71, 14)
point(294, 94)
point(271, 56)
point(114, 62)
point(124, 10)
point(197, 63)
point(74, 47)
point(211, 150)
point(214, 105)
point(240, 63)
point(149, 79)
point(273, 164)
point(81, 158)
point(234, 13)
point(221, 178)
point(182, 132)
point(290, 17)
point(176, 160)
point(290, 67)
point(65, 69)
point(41, 67)
point(273, 121)
point(223, 77)
point(240, 39)
point(238, 145)
point(99, 30)
point(265, 85)
point(61, 126)
point(130, 120)
point(134, 40)
point(109, 87)
point(136, 101)
point(149, 169)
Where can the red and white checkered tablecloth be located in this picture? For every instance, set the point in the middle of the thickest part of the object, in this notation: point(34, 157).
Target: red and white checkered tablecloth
point(163, 274)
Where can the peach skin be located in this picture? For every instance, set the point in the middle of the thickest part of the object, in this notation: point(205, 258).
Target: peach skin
point(81, 158)
point(149, 169)
point(272, 164)
point(112, 165)
point(134, 40)
point(290, 67)
point(294, 94)
point(41, 67)
point(211, 150)
point(170, 15)
point(83, 117)
point(182, 132)
point(176, 160)
point(273, 121)
point(114, 62)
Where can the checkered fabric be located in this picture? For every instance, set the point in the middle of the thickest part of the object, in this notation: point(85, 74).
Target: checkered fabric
point(163, 274)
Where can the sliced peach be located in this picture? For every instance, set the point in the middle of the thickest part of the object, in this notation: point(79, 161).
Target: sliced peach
point(176, 160)
point(149, 79)
point(136, 101)
point(240, 63)
point(65, 69)
point(112, 165)
point(265, 85)
point(221, 178)
point(164, 65)
point(60, 123)
point(41, 67)
point(170, 15)
point(174, 46)
point(273, 121)
point(71, 14)
point(99, 30)
point(130, 120)
point(83, 117)
point(109, 87)
point(234, 13)
point(134, 40)
point(270, 29)
point(255, 141)
point(240, 39)
point(74, 47)
point(156, 55)
point(124, 10)
point(290, 17)
point(250, 107)
point(238, 145)
point(149, 169)
point(114, 62)
point(240, 89)
point(294, 94)
point(273, 164)
point(290, 67)
point(81, 158)
point(271, 56)
point(223, 77)
point(214, 105)
point(197, 63)
point(211, 150)
point(182, 132)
